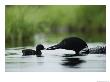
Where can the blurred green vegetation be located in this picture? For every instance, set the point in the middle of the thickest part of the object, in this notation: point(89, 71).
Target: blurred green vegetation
point(23, 22)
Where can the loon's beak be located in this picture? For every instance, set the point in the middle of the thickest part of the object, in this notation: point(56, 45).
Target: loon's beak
point(53, 47)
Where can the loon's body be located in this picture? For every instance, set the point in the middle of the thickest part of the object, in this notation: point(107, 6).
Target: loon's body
point(28, 52)
point(38, 52)
point(71, 43)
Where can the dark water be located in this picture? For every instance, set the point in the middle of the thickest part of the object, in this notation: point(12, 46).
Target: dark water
point(54, 61)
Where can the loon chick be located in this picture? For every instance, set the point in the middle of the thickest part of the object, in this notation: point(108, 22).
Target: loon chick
point(71, 43)
point(38, 52)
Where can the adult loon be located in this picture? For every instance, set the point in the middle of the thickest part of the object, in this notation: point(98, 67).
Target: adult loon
point(71, 43)
point(38, 52)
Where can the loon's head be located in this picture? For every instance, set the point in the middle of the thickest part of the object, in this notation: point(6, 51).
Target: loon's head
point(40, 47)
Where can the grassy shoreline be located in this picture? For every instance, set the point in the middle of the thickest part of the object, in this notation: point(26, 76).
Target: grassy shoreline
point(24, 22)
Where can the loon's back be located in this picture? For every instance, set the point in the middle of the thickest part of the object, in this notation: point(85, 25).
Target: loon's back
point(71, 43)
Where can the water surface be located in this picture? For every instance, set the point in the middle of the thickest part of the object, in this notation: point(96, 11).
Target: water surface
point(59, 60)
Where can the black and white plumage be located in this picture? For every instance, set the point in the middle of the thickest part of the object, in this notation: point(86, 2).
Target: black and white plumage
point(71, 43)
point(94, 50)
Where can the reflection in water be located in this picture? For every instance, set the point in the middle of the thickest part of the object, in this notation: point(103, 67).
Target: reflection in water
point(71, 61)
point(68, 55)
point(71, 55)
point(10, 54)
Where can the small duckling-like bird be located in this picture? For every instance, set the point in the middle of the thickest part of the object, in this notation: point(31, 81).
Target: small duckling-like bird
point(38, 52)
point(71, 43)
